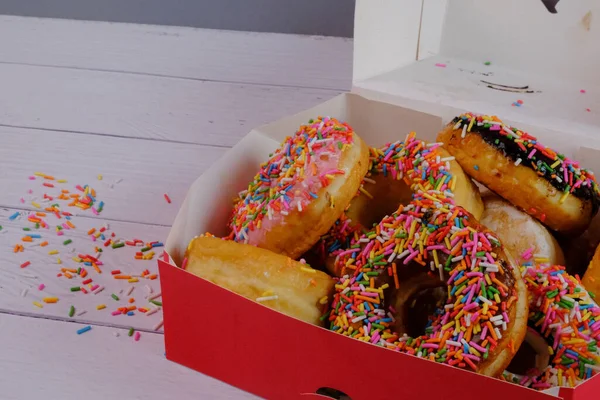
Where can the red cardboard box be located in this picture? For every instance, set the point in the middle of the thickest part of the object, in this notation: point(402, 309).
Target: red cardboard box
point(417, 63)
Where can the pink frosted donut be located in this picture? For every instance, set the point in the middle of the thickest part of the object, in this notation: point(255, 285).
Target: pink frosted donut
point(302, 189)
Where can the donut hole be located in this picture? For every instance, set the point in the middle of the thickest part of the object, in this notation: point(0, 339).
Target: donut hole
point(532, 356)
point(420, 306)
point(387, 195)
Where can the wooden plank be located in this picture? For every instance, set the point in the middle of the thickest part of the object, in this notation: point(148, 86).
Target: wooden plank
point(148, 169)
point(143, 106)
point(94, 365)
point(276, 59)
point(20, 287)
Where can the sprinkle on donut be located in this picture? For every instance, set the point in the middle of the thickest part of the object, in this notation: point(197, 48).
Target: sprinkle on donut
point(417, 161)
point(524, 149)
point(563, 312)
point(305, 163)
point(434, 239)
point(419, 164)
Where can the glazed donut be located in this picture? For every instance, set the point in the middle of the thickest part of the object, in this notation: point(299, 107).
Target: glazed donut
point(302, 189)
point(591, 278)
point(564, 330)
point(273, 280)
point(514, 165)
point(522, 235)
point(432, 243)
point(396, 171)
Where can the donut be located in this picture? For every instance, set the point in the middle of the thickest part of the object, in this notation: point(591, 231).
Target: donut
point(591, 278)
point(564, 329)
point(260, 275)
point(396, 171)
point(514, 165)
point(302, 189)
point(432, 243)
point(522, 235)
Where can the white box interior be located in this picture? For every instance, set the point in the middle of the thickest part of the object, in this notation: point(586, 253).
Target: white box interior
point(399, 43)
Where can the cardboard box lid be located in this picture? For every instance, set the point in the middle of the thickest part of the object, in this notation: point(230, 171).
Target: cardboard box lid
point(429, 55)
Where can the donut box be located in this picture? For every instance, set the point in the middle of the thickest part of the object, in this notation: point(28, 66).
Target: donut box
point(417, 64)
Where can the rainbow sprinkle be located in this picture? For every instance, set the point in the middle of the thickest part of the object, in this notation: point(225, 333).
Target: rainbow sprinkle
point(292, 177)
point(437, 238)
point(39, 230)
point(562, 311)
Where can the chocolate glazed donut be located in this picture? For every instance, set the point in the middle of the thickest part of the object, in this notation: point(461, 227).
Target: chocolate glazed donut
point(516, 166)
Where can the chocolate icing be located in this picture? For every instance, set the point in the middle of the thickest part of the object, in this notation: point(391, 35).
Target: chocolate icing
point(513, 151)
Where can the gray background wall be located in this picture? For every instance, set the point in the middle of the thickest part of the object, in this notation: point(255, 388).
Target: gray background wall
point(309, 17)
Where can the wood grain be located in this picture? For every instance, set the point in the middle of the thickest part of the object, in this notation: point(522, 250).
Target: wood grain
point(148, 169)
point(130, 105)
point(19, 287)
point(44, 359)
point(267, 58)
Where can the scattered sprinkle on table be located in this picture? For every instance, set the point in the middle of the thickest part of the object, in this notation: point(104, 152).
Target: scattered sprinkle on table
point(136, 337)
point(84, 330)
point(50, 300)
point(441, 65)
point(130, 333)
point(52, 204)
point(582, 91)
point(487, 63)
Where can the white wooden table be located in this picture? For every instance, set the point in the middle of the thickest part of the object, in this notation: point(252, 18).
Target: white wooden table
point(148, 108)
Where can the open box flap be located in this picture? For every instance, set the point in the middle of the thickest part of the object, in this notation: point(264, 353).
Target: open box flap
point(540, 58)
point(516, 34)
